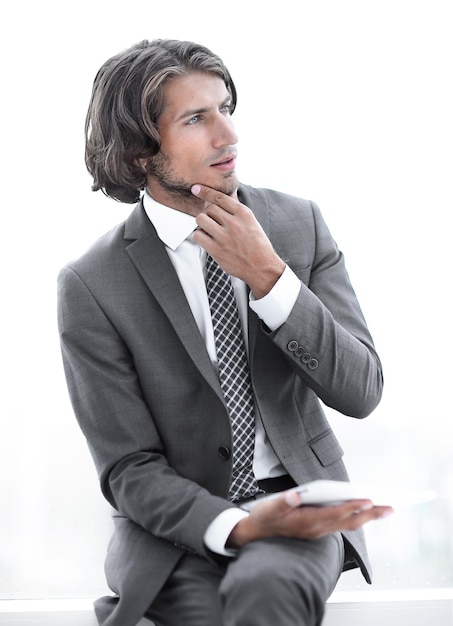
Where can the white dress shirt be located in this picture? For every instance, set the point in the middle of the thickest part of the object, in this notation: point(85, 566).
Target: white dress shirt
point(175, 230)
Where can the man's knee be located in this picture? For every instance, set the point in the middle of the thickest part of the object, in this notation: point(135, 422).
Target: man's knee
point(279, 577)
point(266, 578)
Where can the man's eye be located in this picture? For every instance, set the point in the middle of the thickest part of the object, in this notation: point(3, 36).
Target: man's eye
point(193, 120)
point(226, 108)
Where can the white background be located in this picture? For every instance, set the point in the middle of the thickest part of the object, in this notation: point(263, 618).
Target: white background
point(347, 103)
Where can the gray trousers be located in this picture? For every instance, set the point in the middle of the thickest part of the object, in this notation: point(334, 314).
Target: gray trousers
point(273, 582)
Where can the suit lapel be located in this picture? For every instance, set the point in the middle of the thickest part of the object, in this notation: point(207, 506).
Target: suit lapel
point(152, 262)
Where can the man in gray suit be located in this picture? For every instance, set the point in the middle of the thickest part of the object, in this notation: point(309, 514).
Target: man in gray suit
point(144, 369)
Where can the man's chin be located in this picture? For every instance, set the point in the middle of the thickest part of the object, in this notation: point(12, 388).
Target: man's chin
point(228, 186)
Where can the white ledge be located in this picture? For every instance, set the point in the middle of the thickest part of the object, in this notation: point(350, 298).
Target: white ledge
point(405, 607)
point(46, 605)
point(392, 595)
point(35, 605)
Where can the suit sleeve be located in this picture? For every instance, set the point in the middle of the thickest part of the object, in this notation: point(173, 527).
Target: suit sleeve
point(325, 336)
point(122, 435)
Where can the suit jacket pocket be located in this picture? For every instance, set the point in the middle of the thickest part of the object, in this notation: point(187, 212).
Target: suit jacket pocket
point(326, 448)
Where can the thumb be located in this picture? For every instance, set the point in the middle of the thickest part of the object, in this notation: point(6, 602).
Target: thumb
point(286, 499)
point(293, 499)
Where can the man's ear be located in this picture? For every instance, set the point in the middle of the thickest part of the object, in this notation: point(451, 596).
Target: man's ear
point(143, 163)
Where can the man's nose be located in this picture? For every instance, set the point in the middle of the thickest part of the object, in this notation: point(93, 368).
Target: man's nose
point(224, 133)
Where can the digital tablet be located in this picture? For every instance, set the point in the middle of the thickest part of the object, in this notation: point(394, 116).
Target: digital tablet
point(333, 492)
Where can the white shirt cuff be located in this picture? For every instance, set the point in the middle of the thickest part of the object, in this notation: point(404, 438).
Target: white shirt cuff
point(274, 308)
point(220, 528)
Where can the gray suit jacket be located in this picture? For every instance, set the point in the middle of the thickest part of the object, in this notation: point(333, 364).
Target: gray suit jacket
point(149, 402)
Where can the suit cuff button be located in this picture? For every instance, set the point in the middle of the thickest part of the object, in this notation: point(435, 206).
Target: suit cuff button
point(313, 364)
point(306, 357)
point(293, 345)
point(224, 453)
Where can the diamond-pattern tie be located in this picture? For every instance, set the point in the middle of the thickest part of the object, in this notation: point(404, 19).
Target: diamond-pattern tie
point(234, 378)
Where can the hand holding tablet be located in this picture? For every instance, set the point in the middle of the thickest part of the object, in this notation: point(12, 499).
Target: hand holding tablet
point(333, 492)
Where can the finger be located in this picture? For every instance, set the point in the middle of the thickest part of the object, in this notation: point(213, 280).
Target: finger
point(213, 196)
point(205, 238)
point(277, 505)
point(355, 507)
point(359, 517)
point(213, 213)
point(293, 498)
point(208, 226)
point(379, 512)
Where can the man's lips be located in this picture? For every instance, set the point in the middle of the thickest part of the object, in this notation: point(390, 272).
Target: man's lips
point(226, 163)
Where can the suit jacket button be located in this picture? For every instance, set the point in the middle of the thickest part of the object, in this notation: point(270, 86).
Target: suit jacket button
point(313, 364)
point(306, 357)
point(293, 345)
point(298, 351)
point(224, 453)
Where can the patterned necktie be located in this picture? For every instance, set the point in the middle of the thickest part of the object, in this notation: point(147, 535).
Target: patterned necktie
point(234, 378)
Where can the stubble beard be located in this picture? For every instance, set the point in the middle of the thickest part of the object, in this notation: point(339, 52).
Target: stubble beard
point(178, 190)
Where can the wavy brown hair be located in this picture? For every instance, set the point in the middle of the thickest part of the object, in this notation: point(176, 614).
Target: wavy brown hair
point(125, 105)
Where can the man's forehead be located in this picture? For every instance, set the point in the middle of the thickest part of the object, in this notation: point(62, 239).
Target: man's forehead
point(192, 91)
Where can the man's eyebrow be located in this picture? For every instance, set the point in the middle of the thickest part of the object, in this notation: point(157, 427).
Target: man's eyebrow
point(192, 112)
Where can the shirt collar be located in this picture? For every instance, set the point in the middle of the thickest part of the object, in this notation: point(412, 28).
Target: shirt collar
point(172, 226)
